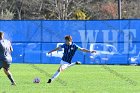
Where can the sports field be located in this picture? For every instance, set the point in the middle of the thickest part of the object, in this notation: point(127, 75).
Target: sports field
point(77, 79)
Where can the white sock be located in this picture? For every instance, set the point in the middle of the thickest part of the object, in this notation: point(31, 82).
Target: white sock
point(55, 75)
point(72, 64)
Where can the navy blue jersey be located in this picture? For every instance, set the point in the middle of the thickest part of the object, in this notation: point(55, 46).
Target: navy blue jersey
point(69, 51)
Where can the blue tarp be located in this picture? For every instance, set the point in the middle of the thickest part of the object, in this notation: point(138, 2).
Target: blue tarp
point(116, 41)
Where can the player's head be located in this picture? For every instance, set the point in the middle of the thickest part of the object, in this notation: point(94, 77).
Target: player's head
point(68, 39)
point(1, 35)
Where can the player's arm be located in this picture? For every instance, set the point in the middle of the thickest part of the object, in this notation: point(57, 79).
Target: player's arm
point(86, 50)
point(54, 50)
point(11, 48)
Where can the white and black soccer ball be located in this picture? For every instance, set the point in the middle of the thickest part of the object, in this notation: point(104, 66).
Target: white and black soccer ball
point(36, 80)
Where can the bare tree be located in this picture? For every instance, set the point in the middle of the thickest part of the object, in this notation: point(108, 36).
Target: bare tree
point(130, 9)
point(67, 9)
point(6, 12)
point(64, 9)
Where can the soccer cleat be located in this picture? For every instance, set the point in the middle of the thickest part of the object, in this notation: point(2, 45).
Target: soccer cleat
point(78, 63)
point(13, 84)
point(49, 81)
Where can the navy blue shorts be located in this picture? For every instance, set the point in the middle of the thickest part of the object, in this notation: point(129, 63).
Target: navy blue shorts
point(5, 65)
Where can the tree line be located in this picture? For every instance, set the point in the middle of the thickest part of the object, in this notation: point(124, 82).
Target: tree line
point(67, 9)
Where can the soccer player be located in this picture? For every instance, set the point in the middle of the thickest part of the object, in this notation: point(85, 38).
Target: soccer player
point(5, 57)
point(69, 51)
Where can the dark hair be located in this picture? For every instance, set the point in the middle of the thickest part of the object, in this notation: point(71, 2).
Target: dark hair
point(1, 34)
point(68, 37)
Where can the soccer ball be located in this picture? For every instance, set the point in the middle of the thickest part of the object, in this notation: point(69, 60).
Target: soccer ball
point(36, 80)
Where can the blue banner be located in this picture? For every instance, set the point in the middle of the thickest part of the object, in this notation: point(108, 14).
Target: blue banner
point(116, 41)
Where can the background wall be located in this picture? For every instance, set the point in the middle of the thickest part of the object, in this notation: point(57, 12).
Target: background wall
point(116, 41)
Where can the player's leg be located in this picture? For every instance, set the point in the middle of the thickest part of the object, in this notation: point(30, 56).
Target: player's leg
point(55, 75)
point(6, 67)
point(1, 65)
point(9, 75)
point(62, 67)
point(74, 63)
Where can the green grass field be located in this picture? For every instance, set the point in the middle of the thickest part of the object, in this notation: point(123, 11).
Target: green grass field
point(77, 79)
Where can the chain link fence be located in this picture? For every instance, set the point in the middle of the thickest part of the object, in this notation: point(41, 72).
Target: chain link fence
point(116, 41)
